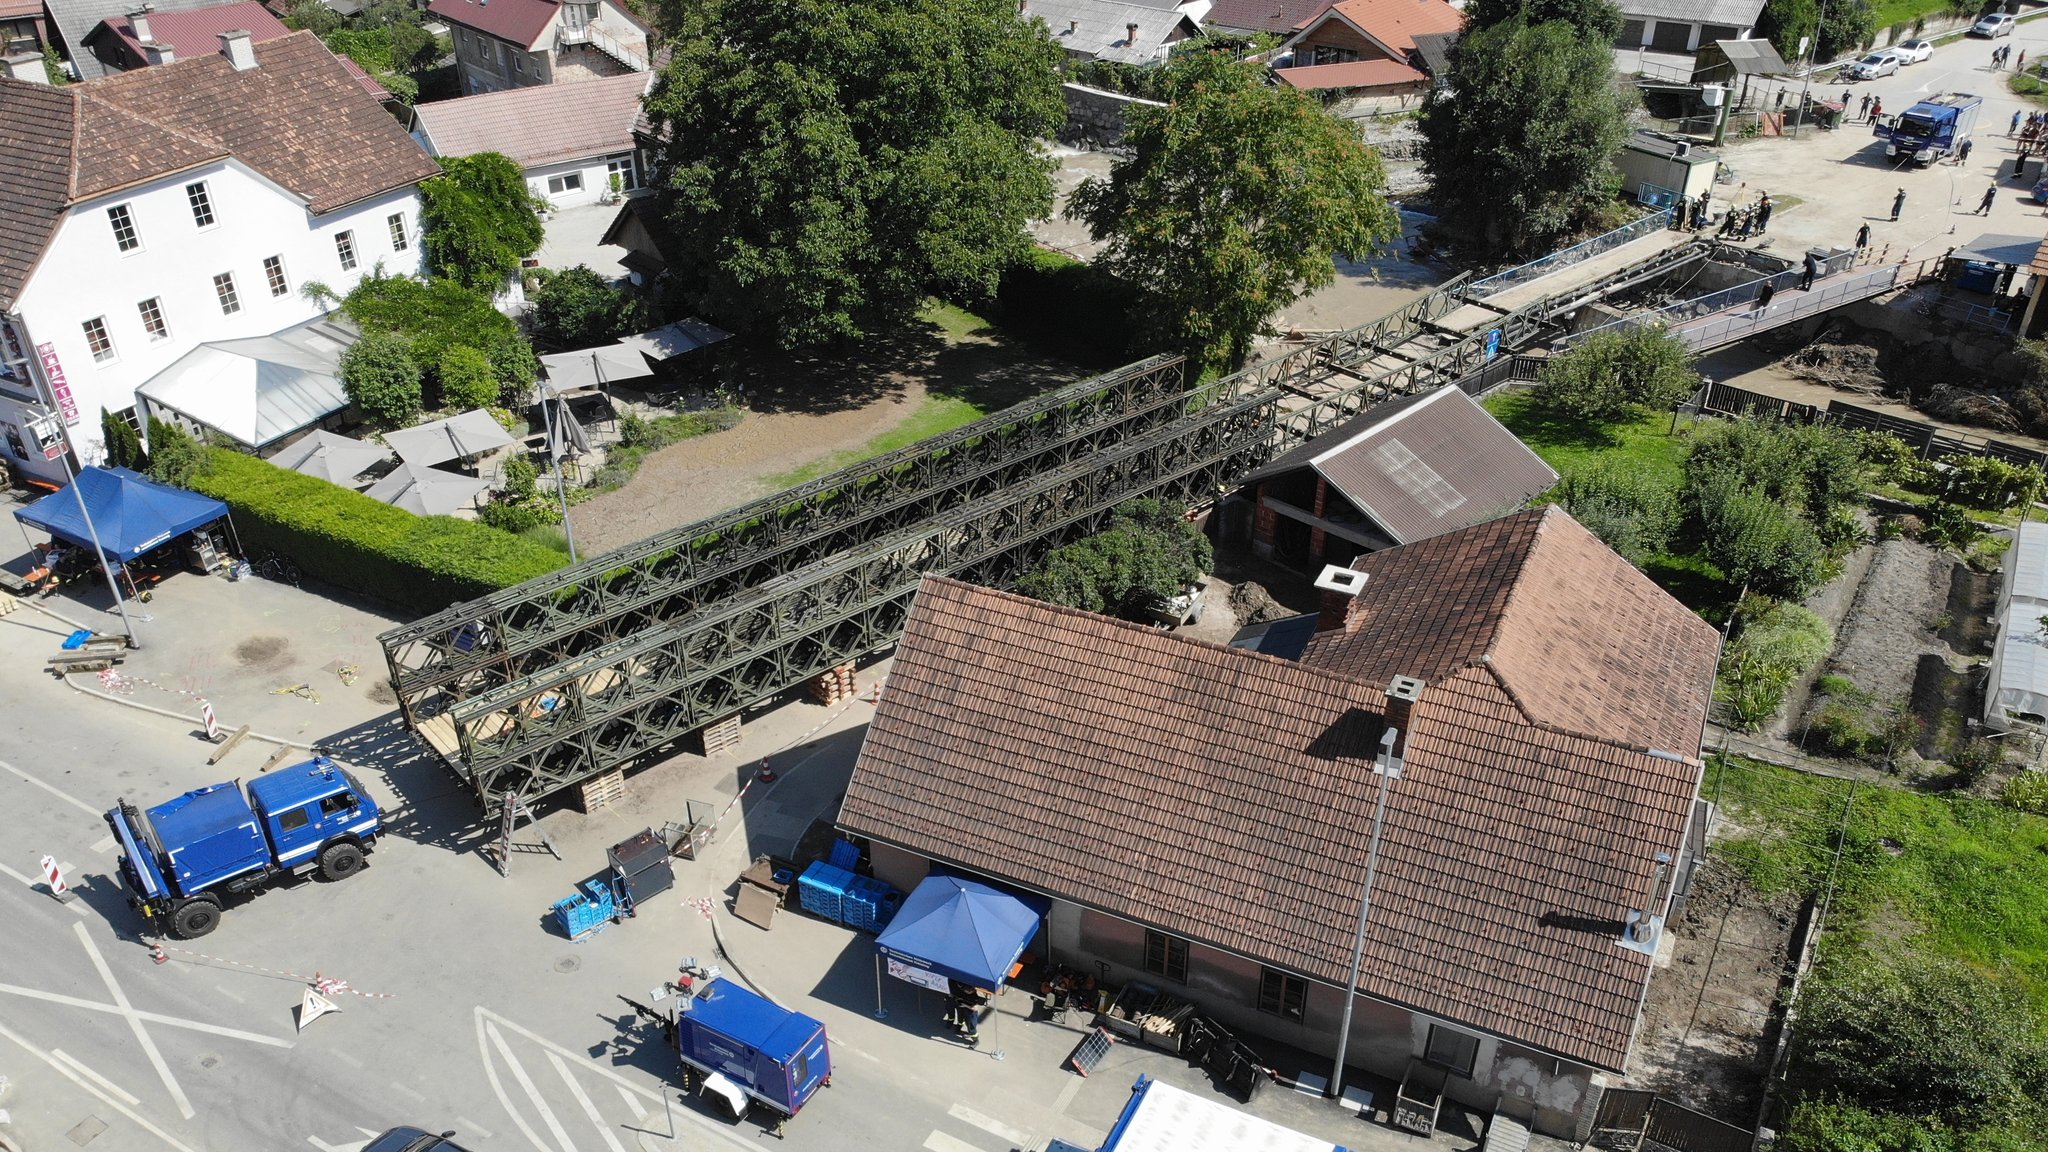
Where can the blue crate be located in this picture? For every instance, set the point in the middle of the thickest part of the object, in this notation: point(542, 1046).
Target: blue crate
point(821, 890)
point(845, 855)
point(580, 917)
point(869, 904)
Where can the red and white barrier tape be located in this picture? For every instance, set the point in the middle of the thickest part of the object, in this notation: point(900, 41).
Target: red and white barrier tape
point(324, 985)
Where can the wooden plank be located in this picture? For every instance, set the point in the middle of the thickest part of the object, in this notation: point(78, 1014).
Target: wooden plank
point(229, 745)
point(283, 753)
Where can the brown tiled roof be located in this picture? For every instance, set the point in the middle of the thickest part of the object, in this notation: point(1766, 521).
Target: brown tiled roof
point(1263, 15)
point(1395, 23)
point(1350, 74)
point(519, 21)
point(298, 118)
point(1421, 465)
point(539, 125)
point(196, 31)
point(1226, 796)
point(1583, 641)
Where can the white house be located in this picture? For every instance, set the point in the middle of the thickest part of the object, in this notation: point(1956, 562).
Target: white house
point(525, 43)
point(1686, 25)
point(173, 206)
point(571, 139)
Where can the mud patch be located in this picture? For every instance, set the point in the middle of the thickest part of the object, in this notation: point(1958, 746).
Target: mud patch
point(265, 653)
point(380, 692)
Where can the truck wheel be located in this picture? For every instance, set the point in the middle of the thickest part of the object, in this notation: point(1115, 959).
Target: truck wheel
point(195, 918)
point(340, 861)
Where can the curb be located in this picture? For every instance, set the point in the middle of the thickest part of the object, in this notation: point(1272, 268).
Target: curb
point(166, 712)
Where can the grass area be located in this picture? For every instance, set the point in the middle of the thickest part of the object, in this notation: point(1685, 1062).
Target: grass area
point(1948, 874)
point(1890, 12)
point(2029, 86)
point(642, 437)
point(934, 415)
point(1568, 445)
point(957, 323)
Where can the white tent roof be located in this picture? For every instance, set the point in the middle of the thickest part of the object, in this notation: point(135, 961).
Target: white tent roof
point(258, 389)
point(1162, 1118)
point(471, 433)
point(671, 340)
point(2019, 659)
point(426, 491)
point(584, 367)
point(335, 458)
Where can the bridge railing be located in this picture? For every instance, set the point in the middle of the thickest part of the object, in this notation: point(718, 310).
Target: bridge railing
point(1655, 221)
point(1823, 296)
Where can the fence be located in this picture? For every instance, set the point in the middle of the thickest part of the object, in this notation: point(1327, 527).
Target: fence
point(1929, 301)
point(1656, 221)
point(1506, 369)
point(1931, 441)
point(1638, 1118)
point(1824, 296)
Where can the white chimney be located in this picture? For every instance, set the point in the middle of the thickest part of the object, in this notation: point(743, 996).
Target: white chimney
point(26, 66)
point(236, 47)
point(158, 53)
point(139, 21)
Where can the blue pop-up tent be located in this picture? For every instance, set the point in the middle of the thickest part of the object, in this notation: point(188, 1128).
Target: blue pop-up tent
point(131, 512)
point(962, 930)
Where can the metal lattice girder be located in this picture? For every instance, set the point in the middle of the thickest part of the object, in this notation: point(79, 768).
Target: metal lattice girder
point(636, 695)
point(623, 590)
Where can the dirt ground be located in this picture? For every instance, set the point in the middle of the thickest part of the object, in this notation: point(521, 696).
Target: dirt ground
point(1708, 1019)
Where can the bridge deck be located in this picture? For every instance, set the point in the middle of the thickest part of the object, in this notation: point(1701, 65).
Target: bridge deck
point(1564, 279)
point(1789, 305)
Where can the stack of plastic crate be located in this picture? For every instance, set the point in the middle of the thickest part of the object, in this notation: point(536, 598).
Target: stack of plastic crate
point(866, 899)
point(821, 890)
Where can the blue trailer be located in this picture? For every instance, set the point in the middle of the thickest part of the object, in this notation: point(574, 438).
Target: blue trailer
point(744, 1048)
point(181, 858)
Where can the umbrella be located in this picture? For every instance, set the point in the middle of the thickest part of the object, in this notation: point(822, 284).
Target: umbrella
point(471, 433)
point(426, 491)
point(672, 340)
point(339, 459)
point(591, 367)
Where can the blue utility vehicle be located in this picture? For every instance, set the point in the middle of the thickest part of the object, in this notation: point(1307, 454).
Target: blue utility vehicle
point(1934, 129)
point(744, 1048)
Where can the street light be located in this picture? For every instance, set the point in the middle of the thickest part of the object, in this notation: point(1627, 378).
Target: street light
point(51, 433)
point(555, 457)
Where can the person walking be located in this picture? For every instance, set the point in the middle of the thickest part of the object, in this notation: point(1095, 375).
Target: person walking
point(1863, 237)
point(1763, 214)
point(2020, 65)
point(1876, 110)
point(1864, 111)
point(1898, 203)
point(1963, 153)
point(1764, 294)
point(1811, 270)
point(1990, 195)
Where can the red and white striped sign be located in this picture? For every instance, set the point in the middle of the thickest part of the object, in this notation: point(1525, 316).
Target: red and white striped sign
point(55, 876)
point(212, 725)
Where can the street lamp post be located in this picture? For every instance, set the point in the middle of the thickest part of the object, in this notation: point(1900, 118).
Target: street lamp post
point(555, 457)
point(49, 429)
point(1387, 766)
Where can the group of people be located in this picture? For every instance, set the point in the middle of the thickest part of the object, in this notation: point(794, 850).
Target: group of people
point(963, 1010)
point(1748, 220)
point(2029, 127)
point(1872, 107)
point(2002, 53)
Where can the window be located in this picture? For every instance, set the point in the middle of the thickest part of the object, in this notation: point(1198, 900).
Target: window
point(153, 318)
point(339, 802)
point(627, 172)
point(224, 287)
point(519, 64)
point(399, 242)
point(1282, 994)
point(123, 221)
point(1166, 956)
point(345, 247)
point(273, 271)
point(567, 182)
point(96, 338)
point(1452, 1050)
point(202, 204)
point(293, 820)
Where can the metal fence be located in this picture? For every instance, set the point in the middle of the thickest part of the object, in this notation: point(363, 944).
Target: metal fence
point(1824, 296)
point(1930, 441)
point(1929, 301)
point(1584, 250)
point(1639, 1118)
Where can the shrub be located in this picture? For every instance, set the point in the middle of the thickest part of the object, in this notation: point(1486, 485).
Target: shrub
point(123, 446)
point(1049, 296)
point(1147, 551)
point(343, 538)
point(516, 367)
point(1974, 758)
point(1950, 526)
point(1838, 730)
point(517, 518)
point(173, 455)
point(1777, 644)
point(1815, 468)
point(434, 315)
point(381, 378)
point(467, 380)
point(1985, 482)
point(1755, 541)
point(1629, 511)
point(1836, 684)
point(521, 478)
point(575, 308)
point(2027, 792)
point(1610, 376)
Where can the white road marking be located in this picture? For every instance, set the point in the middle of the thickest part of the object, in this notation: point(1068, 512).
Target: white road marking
point(632, 1102)
point(547, 1114)
point(324, 1146)
point(103, 845)
point(583, 1099)
point(142, 1037)
point(222, 989)
point(59, 793)
point(89, 1086)
point(408, 1092)
point(1068, 1093)
point(940, 1142)
point(151, 1017)
point(345, 1058)
point(991, 1125)
point(473, 1126)
point(484, 1035)
point(102, 1081)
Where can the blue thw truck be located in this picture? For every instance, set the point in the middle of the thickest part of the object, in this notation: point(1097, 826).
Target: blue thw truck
point(1932, 129)
point(745, 1049)
point(181, 859)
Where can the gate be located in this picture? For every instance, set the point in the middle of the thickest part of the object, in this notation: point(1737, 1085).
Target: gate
point(1681, 1129)
point(1624, 1110)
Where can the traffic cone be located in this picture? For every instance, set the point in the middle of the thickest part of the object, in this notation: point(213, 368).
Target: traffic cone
point(156, 954)
point(766, 775)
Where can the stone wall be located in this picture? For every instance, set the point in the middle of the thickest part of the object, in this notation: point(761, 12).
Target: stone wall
point(1095, 118)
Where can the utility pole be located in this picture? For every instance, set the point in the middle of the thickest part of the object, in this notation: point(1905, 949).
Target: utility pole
point(49, 428)
point(1387, 766)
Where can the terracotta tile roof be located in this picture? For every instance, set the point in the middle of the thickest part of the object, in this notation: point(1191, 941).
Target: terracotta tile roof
point(1582, 641)
point(16, 9)
point(519, 21)
point(1264, 15)
point(2039, 266)
point(1422, 465)
point(541, 124)
point(297, 117)
point(1351, 74)
point(1226, 796)
point(1395, 23)
point(196, 31)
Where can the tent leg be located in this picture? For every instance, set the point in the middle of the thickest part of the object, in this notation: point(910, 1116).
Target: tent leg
point(995, 1021)
point(881, 1013)
point(234, 535)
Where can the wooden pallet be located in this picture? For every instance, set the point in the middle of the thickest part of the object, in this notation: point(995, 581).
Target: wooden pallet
point(721, 735)
point(601, 790)
point(8, 603)
point(834, 685)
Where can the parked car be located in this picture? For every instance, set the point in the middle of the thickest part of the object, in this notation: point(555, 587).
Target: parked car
point(413, 1140)
point(1995, 25)
point(1914, 51)
point(1874, 65)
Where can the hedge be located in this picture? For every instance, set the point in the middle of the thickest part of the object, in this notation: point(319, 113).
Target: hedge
point(346, 539)
point(1047, 296)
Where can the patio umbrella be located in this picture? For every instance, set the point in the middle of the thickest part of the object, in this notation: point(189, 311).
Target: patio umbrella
point(426, 491)
point(459, 437)
point(337, 459)
point(594, 367)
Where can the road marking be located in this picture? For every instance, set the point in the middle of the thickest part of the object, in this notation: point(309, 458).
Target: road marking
point(151, 1017)
point(632, 1102)
point(59, 793)
point(104, 845)
point(991, 1125)
point(222, 989)
point(345, 1058)
point(1067, 1094)
point(25, 879)
point(408, 1092)
point(547, 1114)
point(142, 1036)
point(102, 1081)
point(324, 1146)
point(583, 1098)
point(89, 1086)
point(940, 1142)
point(473, 1126)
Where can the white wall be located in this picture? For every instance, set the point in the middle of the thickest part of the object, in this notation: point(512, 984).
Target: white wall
point(83, 274)
point(596, 178)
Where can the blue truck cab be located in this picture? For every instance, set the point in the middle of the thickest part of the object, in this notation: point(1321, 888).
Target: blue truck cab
point(181, 858)
point(746, 1048)
point(1934, 129)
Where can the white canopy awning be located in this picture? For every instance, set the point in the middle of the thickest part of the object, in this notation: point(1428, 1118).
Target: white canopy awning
point(672, 340)
point(426, 491)
point(594, 367)
point(260, 389)
point(330, 456)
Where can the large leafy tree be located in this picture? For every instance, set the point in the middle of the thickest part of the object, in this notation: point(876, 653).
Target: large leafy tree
point(1236, 198)
point(1520, 146)
point(479, 220)
point(1844, 27)
point(1599, 19)
point(1613, 375)
point(827, 165)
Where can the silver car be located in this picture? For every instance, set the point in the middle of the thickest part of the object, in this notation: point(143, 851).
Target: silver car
point(1995, 25)
point(1874, 65)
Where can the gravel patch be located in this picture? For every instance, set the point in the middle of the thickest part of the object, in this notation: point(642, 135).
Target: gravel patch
point(1891, 624)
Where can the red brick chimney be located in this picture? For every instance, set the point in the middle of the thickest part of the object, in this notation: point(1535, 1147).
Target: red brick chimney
point(1130, 35)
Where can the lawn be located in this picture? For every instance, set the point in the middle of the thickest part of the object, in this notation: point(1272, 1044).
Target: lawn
point(1569, 446)
point(1948, 874)
point(933, 415)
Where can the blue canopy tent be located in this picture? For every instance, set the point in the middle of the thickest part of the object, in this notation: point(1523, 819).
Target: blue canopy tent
point(954, 928)
point(132, 513)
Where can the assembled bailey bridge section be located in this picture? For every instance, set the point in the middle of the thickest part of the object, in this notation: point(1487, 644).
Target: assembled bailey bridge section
point(602, 664)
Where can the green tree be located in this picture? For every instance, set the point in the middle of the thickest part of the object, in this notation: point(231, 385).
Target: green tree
point(299, 15)
point(575, 308)
point(123, 446)
point(467, 378)
point(516, 367)
point(1630, 512)
point(174, 457)
point(1235, 199)
point(1599, 19)
point(432, 315)
point(1146, 551)
point(381, 378)
point(522, 478)
point(478, 220)
point(1617, 375)
point(1815, 468)
point(1520, 145)
point(1756, 541)
point(1844, 28)
point(825, 166)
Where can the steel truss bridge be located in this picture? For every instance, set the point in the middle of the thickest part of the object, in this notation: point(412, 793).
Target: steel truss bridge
point(609, 662)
